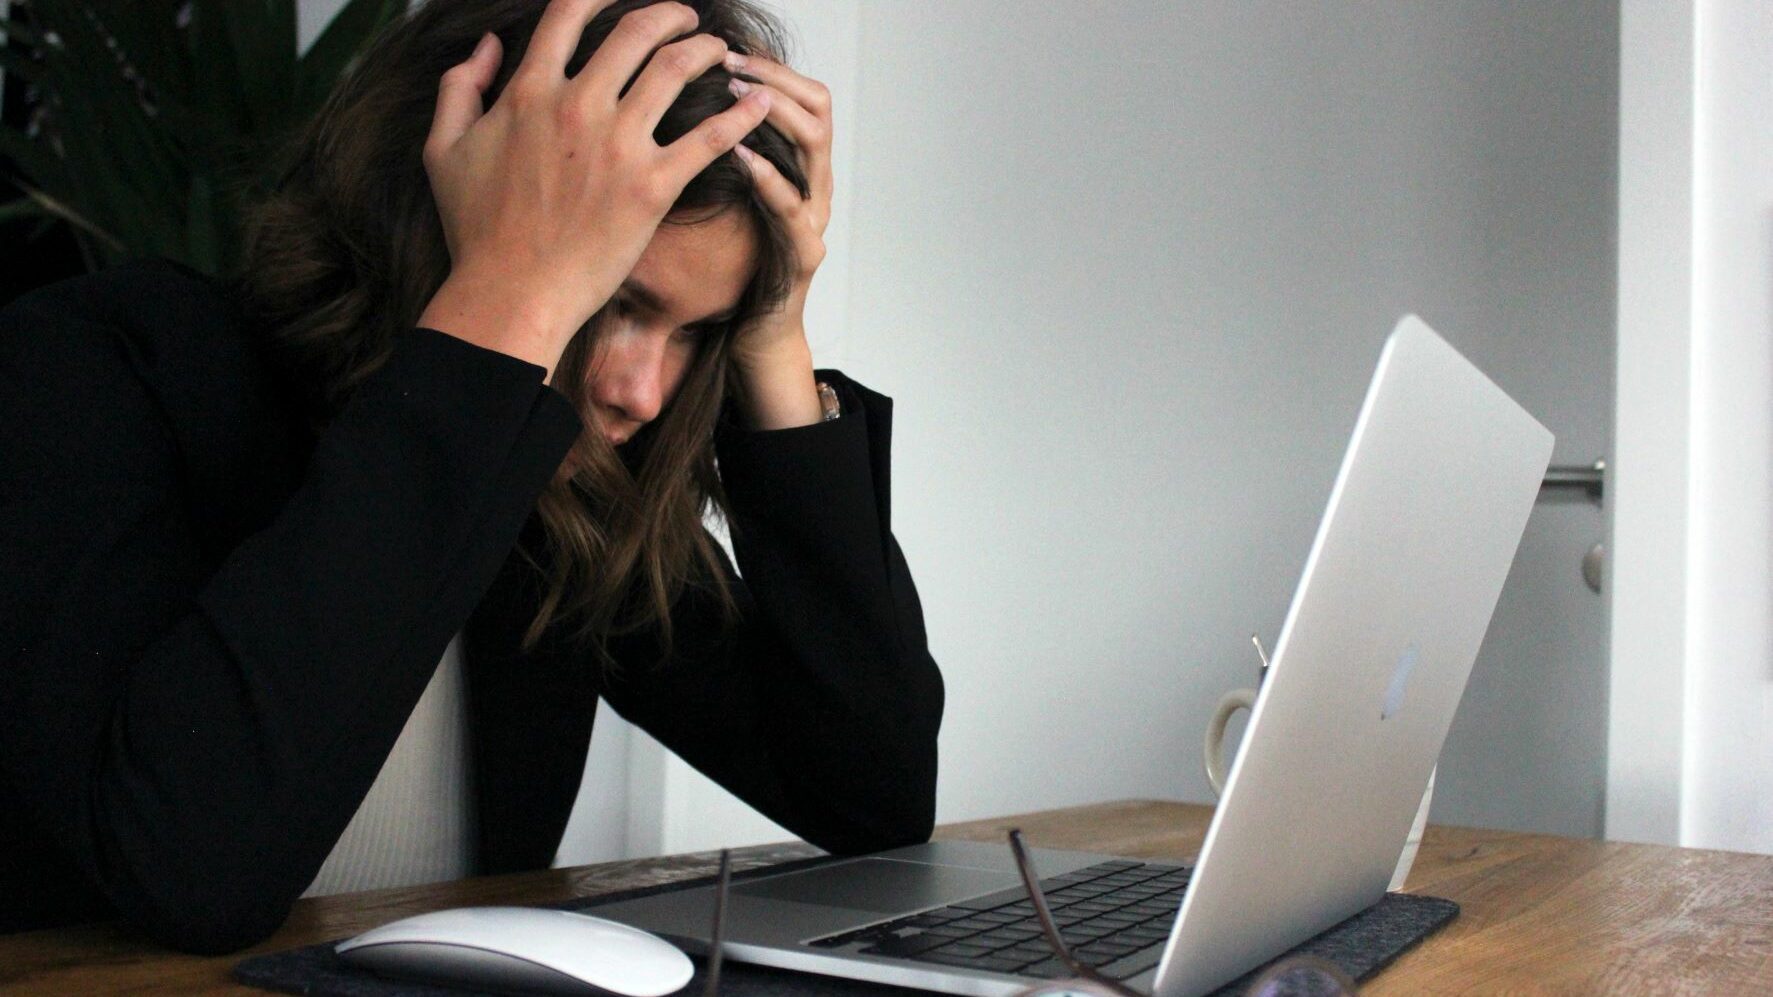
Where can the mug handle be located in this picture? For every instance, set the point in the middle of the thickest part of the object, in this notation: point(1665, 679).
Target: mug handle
point(1213, 747)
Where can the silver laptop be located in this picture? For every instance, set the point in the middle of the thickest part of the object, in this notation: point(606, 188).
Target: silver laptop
point(1422, 524)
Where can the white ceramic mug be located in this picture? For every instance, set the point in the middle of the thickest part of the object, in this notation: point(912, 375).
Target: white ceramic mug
point(1213, 756)
point(1213, 749)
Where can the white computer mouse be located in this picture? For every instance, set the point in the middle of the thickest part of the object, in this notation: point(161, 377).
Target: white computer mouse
point(523, 949)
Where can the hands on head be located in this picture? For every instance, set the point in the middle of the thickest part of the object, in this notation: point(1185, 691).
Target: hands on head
point(549, 198)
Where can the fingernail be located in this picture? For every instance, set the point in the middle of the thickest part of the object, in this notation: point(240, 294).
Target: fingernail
point(744, 153)
point(480, 49)
point(763, 100)
point(739, 87)
point(735, 61)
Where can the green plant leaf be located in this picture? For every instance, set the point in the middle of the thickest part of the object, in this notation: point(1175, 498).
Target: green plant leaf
point(31, 160)
point(95, 112)
point(83, 226)
point(164, 114)
point(337, 46)
point(202, 242)
point(217, 90)
point(148, 31)
point(23, 207)
point(262, 36)
point(18, 65)
point(20, 32)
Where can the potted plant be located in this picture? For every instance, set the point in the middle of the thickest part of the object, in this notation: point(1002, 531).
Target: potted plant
point(149, 125)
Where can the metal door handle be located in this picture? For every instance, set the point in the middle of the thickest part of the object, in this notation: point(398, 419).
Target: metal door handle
point(1591, 479)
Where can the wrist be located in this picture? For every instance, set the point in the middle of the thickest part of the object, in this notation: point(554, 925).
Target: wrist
point(499, 315)
point(778, 389)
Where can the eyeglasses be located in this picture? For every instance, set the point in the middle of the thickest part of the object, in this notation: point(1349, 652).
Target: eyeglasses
point(711, 986)
point(1307, 976)
point(1295, 976)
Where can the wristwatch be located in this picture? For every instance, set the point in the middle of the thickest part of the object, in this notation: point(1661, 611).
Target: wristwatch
point(828, 402)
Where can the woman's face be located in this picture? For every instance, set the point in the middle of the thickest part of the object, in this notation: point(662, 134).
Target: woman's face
point(688, 281)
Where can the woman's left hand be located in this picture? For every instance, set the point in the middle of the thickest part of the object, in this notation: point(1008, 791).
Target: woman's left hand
point(771, 353)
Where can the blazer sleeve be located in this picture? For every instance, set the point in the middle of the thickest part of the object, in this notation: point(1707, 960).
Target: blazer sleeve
point(195, 735)
point(822, 705)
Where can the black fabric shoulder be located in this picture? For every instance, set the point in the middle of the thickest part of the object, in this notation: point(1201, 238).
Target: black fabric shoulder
point(172, 335)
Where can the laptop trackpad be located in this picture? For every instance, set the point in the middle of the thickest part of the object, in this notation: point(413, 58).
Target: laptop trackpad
point(881, 885)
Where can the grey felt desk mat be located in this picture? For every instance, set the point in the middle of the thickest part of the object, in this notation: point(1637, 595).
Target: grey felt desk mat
point(1361, 945)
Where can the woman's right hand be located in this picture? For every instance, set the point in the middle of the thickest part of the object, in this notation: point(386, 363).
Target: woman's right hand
point(548, 199)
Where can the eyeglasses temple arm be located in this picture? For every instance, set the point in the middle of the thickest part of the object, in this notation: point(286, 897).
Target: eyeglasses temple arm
point(1025, 866)
point(712, 987)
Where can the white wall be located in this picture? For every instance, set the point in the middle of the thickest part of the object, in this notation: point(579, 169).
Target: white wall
point(1692, 743)
point(1728, 770)
point(1649, 478)
point(1692, 730)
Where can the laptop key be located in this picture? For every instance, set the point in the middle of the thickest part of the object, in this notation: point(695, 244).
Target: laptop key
point(905, 945)
point(1048, 969)
point(1006, 936)
point(996, 964)
point(1134, 964)
point(962, 948)
point(991, 901)
point(1105, 951)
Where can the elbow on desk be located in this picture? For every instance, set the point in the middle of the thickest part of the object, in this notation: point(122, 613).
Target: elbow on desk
point(891, 811)
point(873, 838)
point(206, 924)
point(206, 915)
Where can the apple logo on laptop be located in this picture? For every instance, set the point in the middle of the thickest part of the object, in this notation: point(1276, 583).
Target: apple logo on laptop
point(1400, 677)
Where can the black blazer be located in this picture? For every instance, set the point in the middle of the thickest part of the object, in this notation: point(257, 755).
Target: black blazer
point(215, 621)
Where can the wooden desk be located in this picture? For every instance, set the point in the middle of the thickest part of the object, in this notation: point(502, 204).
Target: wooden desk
point(1541, 914)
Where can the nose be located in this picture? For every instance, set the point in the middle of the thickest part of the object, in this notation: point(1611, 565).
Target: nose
point(629, 375)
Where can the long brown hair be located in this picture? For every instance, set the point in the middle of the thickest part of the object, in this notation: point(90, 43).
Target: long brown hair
point(344, 256)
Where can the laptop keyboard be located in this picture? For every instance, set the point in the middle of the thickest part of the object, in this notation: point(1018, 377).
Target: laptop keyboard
point(1115, 916)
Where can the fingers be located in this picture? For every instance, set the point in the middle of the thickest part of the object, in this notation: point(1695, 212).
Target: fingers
point(778, 192)
point(557, 37)
point(460, 95)
point(806, 227)
point(634, 39)
point(805, 117)
point(807, 92)
point(666, 73)
point(706, 142)
point(796, 122)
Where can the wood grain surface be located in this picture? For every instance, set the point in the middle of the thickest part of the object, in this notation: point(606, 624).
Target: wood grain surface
point(1541, 914)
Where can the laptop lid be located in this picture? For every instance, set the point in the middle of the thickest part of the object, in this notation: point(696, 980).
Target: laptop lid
point(1422, 524)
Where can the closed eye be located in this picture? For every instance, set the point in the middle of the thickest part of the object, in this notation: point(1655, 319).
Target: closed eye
point(699, 331)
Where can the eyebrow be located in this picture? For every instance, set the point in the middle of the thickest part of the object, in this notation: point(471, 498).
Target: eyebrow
point(649, 300)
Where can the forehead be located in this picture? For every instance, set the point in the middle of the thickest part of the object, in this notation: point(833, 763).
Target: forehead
point(698, 269)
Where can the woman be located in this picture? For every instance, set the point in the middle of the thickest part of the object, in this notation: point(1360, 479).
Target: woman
point(473, 380)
